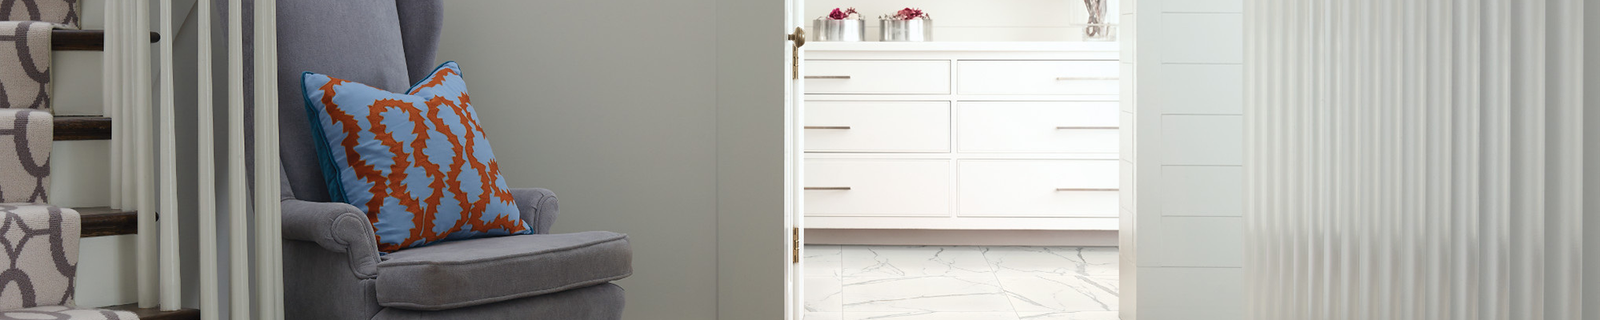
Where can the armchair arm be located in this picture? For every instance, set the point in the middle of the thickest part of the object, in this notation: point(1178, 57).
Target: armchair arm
point(538, 207)
point(337, 227)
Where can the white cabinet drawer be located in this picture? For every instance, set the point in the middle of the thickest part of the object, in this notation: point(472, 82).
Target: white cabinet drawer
point(1039, 77)
point(1039, 188)
point(1042, 127)
point(877, 76)
point(877, 126)
point(848, 187)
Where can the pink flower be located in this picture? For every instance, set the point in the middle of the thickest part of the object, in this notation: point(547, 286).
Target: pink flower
point(841, 14)
point(909, 14)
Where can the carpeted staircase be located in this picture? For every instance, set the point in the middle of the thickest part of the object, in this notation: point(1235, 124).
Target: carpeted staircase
point(38, 270)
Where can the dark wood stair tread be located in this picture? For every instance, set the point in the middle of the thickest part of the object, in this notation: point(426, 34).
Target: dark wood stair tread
point(156, 313)
point(74, 128)
point(83, 40)
point(105, 221)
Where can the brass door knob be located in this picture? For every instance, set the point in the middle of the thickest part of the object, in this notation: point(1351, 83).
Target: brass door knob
point(799, 37)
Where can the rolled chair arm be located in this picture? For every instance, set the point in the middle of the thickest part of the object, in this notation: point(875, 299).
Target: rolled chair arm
point(337, 227)
point(537, 206)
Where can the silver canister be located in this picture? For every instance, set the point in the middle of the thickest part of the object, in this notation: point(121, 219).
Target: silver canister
point(905, 30)
point(838, 30)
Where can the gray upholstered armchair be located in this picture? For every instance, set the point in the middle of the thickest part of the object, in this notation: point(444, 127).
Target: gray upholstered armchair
point(332, 269)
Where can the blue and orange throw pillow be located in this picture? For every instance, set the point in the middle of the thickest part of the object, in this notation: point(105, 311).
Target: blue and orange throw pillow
point(417, 162)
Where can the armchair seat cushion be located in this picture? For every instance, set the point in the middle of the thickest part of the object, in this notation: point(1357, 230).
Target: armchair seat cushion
point(466, 273)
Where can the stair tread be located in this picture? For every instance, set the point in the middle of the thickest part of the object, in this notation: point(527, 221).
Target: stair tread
point(105, 221)
point(74, 128)
point(156, 313)
point(83, 40)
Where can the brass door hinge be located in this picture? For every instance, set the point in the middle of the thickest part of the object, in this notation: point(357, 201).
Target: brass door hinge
point(796, 253)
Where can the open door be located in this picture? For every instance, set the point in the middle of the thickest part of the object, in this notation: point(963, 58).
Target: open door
point(794, 157)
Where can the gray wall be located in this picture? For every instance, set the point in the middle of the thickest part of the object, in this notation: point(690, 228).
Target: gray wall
point(616, 106)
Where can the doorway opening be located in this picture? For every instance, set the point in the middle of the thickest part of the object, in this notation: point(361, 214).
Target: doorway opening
point(974, 174)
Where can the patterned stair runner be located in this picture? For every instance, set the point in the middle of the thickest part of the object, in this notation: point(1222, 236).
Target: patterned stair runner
point(39, 269)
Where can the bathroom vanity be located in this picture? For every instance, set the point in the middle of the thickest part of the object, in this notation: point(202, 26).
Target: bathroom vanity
point(962, 135)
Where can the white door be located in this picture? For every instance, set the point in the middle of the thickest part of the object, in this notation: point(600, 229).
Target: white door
point(794, 157)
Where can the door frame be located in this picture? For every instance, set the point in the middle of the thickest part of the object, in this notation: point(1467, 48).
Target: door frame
point(756, 206)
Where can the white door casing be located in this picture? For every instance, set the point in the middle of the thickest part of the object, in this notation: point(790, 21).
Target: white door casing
point(793, 158)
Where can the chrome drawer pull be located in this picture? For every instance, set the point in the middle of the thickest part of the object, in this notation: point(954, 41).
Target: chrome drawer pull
point(829, 188)
point(1086, 189)
point(828, 127)
point(1085, 78)
point(1086, 128)
point(829, 77)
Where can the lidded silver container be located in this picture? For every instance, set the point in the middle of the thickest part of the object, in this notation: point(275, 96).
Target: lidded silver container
point(914, 30)
point(838, 30)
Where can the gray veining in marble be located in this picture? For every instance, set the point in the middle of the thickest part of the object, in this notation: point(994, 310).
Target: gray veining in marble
point(887, 261)
point(954, 282)
point(925, 293)
point(1057, 261)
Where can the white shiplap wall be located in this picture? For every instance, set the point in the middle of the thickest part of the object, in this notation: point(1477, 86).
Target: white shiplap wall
point(1182, 231)
point(989, 20)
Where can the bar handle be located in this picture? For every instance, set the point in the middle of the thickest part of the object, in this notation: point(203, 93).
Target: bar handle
point(1087, 189)
point(1086, 78)
point(827, 77)
point(828, 188)
point(827, 127)
point(1085, 128)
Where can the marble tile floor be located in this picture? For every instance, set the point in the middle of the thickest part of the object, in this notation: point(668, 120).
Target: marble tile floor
point(960, 283)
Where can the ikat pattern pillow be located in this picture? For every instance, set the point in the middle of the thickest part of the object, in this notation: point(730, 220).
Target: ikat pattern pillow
point(418, 163)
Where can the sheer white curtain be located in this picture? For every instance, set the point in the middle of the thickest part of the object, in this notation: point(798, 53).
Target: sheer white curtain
point(1417, 159)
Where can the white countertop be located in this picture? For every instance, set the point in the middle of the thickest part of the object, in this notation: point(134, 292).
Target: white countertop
point(963, 46)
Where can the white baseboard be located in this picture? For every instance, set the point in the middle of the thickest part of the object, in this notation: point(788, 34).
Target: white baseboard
point(1074, 238)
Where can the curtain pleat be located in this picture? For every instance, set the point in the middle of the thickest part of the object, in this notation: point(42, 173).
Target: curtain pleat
point(1416, 159)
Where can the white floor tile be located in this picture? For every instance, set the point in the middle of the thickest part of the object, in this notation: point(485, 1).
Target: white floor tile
point(823, 261)
point(1069, 315)
point(948, 283)
point(929, 315)
point(1060, 293)
point(823, 294)
point(893, 261)
point(970, 294)
point(1056, 261)
point(823, 316)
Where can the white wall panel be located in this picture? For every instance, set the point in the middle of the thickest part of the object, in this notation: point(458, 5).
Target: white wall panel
point(1216, 191)
point(1182, 97)
point(1201, 89)
point(1203, 6)
point(1202, 140)
point(1202, 242)
point(1201, 37)
point(1191, 293)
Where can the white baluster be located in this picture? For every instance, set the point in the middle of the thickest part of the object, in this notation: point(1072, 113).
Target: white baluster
point(266, 159)
point(171, 279)
point(143, 150)
point(209, 282)
point(112, 81)
point(238, 229)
